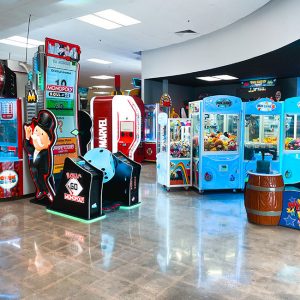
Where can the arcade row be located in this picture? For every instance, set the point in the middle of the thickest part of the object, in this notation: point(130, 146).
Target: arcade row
point(224, 139)
point(84, 165)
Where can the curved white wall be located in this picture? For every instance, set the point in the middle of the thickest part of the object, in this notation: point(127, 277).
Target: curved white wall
point(271, 27)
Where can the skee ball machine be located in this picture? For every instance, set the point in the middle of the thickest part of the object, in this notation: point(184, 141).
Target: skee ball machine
point(220, 155)
point(194, 114)
point(263, 121)
point(291, 152)
point(174, 157)
point(118, 124)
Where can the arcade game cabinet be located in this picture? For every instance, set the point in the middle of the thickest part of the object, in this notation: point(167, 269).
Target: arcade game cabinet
point(194, 114)
point(80, 192)
point(151, 111)
point(121, 178)
point(174, 155)
point(220, 143)
point(262, 136)
point(118, 125)
point(150, 138)
point(11, 149)
point(291, 152)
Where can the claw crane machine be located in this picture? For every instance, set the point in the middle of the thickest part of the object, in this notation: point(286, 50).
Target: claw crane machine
point(291, 152)
point(262, 123)
point(151, 111)
point(194, 114)
point(220, 143)
point(174, 153)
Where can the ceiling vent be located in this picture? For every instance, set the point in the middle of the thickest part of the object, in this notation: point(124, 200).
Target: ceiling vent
point(187, 31)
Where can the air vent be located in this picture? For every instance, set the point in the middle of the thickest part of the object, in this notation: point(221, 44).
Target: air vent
point(138, 53)
point(185, 31)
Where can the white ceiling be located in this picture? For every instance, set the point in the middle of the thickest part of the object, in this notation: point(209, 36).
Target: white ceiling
point(160, 19)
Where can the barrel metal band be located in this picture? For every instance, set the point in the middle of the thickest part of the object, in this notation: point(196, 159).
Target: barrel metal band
point(264, 189)
point(263, 213)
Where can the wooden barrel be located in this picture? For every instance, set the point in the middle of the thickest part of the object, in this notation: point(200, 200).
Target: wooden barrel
point(263, 198)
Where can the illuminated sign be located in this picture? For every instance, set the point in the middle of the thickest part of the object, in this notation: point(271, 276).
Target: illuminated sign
point(223, 103)
point(102, 133)
point(8, 179)
point(266, 106)
point(258, 83)
point(31, 96)
point(74, 188)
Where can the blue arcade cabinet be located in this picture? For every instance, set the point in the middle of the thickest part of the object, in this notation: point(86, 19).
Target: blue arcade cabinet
point(220, 143)
point(262, 134)
point(291, 151)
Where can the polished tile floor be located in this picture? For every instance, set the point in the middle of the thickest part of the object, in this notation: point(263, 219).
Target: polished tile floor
point(176, 245)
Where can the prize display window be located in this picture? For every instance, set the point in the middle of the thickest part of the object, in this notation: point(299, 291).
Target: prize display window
point(221, 132)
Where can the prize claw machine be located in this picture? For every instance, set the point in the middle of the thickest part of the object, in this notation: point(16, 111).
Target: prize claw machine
point(220, 143)
point(150, 132)
point(194, 114)
point(291, 153)
point(174, 157)
point(11, 150)
point(262, 134)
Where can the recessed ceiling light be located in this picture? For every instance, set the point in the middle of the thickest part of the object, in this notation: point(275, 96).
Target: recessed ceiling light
point(208, 78)
point(99, 61)
point(99, 22)
point(102, 77)
point(225, 77)
point(102, 93)
point(20, 41)
point(116, 17)
point(102, 87)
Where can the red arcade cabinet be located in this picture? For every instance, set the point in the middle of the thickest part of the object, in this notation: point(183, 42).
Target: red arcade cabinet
point(118, 122)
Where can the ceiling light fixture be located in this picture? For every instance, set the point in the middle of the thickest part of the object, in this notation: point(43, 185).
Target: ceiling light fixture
point(99, 61)
point(105, 77)
point(102, 87)
point(116, 17)
point(108, 19)
point(225, 77)
point(99, 22)
point(102, 93)
point(208, 78)
point(20, 41)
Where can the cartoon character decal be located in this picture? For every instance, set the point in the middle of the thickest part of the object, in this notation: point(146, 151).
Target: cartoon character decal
point(40, 137)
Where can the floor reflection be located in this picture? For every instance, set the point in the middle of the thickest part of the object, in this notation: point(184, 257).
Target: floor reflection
point(176, 245)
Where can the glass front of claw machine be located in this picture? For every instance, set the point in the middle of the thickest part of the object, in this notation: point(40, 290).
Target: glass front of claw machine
point(11, 164)
point(221, 132)
point(180, 151)
point(262, 134)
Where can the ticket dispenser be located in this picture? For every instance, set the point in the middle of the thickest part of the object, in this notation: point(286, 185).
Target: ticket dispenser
point(80, 190)
point(118, 125)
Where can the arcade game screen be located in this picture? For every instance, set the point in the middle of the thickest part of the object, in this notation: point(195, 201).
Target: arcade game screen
point(292, 132)
point(221, 132)
point(261, 135)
